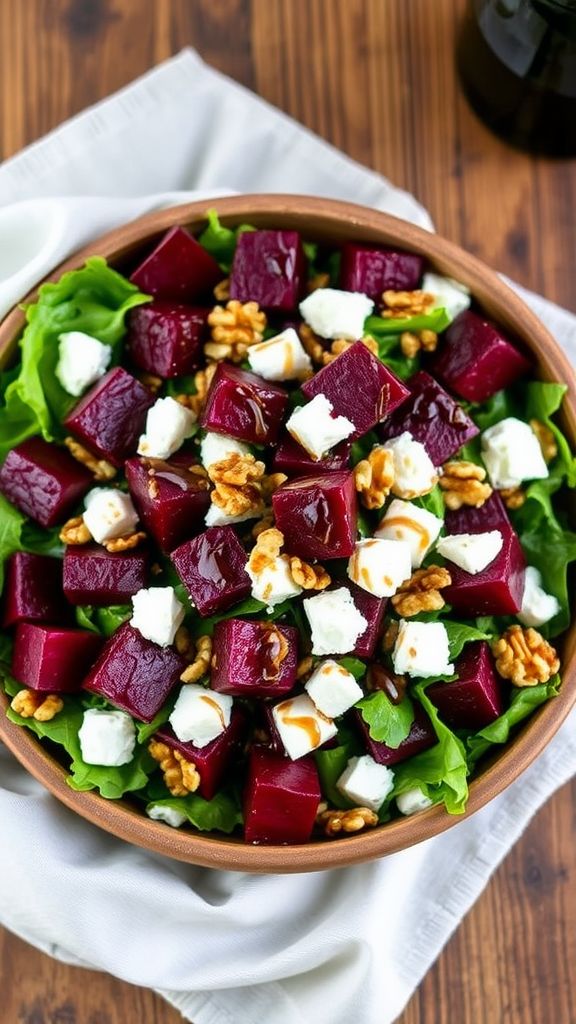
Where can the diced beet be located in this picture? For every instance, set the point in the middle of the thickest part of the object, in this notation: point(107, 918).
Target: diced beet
point(371, 270)
point(433, 417)
point(269, 268)
point(372, 608)
point(170, 500)
point(281, 798)
point(474, 699)
point(243, 405)
point(165, 338)
point(53, 659)
point(95, 576)
point(475, 359)
point(212, 567)
point(245, 660)
point(33, 590)
point(178, 269)
point(359, 387)
point(43, 481)
point(135, 674)
point(492, 515)
point(420, 737)
point(294, 460)
point(212, 761)
point(317, 515)
point(111, 416)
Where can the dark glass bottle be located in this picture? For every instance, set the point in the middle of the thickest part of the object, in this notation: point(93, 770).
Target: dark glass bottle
point(517, 63)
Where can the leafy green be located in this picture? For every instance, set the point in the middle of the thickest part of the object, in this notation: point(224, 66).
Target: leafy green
point(144, 730)
point(438, 320)
point(523, 703)
point(11, 524)
point(542, 401)
point(331, 763)
point(219, 241)
point(387, 722)
point(390, 353)
point(433, 502)
point(95, 300)
point(251, 606)
point(355, 666)
point(496, 408)
point(220, 814)
point(102, 620)
point(460, 633)
point(362, 447)
point(551, 549)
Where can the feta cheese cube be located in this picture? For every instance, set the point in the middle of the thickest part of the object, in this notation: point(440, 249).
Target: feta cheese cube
point(414, 472)
point(335, 621)
point(316, 429)
point(218, 517)
point(422, 649)
point(333, 689)
point(217, 447)
point(280, 358)
point(538, 607)
point(415, 526)
point(365, 782)
point(274, 583)
point(82, 360)
point(471, 551)
point(413, 801)
point(157, 614)
point(200, 715)
point(333, 313)
point(168, 424)
point(380, 566)
point(448, 294)
point(511, 453)
point(109, 513)
point(169, 815)
point(107, 738)
point(301, 727)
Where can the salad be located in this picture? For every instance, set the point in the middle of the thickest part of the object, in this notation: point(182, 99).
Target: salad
point(283, 533)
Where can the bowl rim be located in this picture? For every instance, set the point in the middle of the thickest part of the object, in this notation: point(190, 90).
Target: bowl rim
point(346, 221)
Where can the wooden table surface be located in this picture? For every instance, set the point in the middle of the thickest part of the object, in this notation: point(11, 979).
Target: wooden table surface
point(376, 78)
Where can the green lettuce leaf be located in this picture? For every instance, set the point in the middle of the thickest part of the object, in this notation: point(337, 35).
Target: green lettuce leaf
point(387, 722)
point(11, 524)
point(496, 408)
point(331, 763)
point(523, 703)
point(355, 666)
point(542, 401)
point(220, 814)
point(219, 241)
point(102, 620)
point(438, 320)
point(460, 633)
point(433, 502)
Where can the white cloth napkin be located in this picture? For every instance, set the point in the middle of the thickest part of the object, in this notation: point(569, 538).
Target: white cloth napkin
point(225, 947)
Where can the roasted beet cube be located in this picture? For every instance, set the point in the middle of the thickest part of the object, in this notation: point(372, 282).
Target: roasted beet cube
point(53, 659)
point(269, 268)
point(166, 338)
point(372, 608)
point(359, 387)
point(281, 798)
point(111, 416)
point(250, 659)
point(475, 698)
point(475, 359)
point(420, 737)
point(171, 501)
point(433, 417)
point(243, 405)
point(212, 567)
point(317, 515)
point(33, 590)
point(135, 674)
point(291, 458)
point(178, 269)
point(367, 269)
point(43, 481)
point(95, 576)
point(212, 761)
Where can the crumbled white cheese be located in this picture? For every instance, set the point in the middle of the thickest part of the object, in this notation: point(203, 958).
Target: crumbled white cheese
point(448, 294)
point(538, 607)
point(333, 689)
point(335, 621)
point(157, 614)
point(422, 649)
point(316, 429)
point(280, 358)
point(472, 552)
point(200, 715)
point(413, 801)
point(217, 447)
point(169, 815)
point(333, 313)
point(107, 738)
point(82, 360)
point(414, 472)
point(274, 583)
point(218, 517)
point(512, 453)
point(365, 782)
point(109, 513)
point(300, 725)
point(416, 526)
point(168, 424)
point(380, 566)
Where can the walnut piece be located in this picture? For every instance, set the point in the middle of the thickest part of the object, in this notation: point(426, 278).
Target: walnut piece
point(202, 382)
point(374, 477)
point(309, 577)
point(266, 523)
point(401, 305)
point(235, 328)
point(546, 440)
point(318, 281)
point(463, 484)
point(75, 531)
point(389, 636)
point(150, 381)
point(125, 543)
point(32, 704)
point(340, 345)
point(513, 497)
point(199, 655)
point(221, 291)
point(180, 776)
point(237, 469)
point(421, 593)
point(524, 657)
point(101, 469)
point(311, 343)
point(269, 544)
point(237, 484)
point(334, 822)
point(304, 667)
point(270, 483)
point(411, 342)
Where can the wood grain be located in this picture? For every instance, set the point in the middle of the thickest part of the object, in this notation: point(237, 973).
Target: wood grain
point(377, 79)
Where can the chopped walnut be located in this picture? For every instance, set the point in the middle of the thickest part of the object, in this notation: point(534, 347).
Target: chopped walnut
point(513, 497)
point(180, 776)
point(221, 291)
point(202, 382)
point(309, 577)
point(266, 523)
point(334, 822)
point(237, 480)
point(126, 543)
point(236, 469)
point(235, 328)
point(32, 704)
point(304, 667)
point(75, 531)
point(463, 484)
point(101, 469)
point(340, 345)
point(421, 593)
point(524, 657)
point(311, 343)
point(150, 381)
point(374, 477)
point(268, 546)
point(200, 657)
point(411, 342)
point(546, 440)
point(389, 636)
point(270, 483)
point(318, 281)
point(401, 305)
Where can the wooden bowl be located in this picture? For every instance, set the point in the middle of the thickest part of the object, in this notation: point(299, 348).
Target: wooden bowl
point(332, 221)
